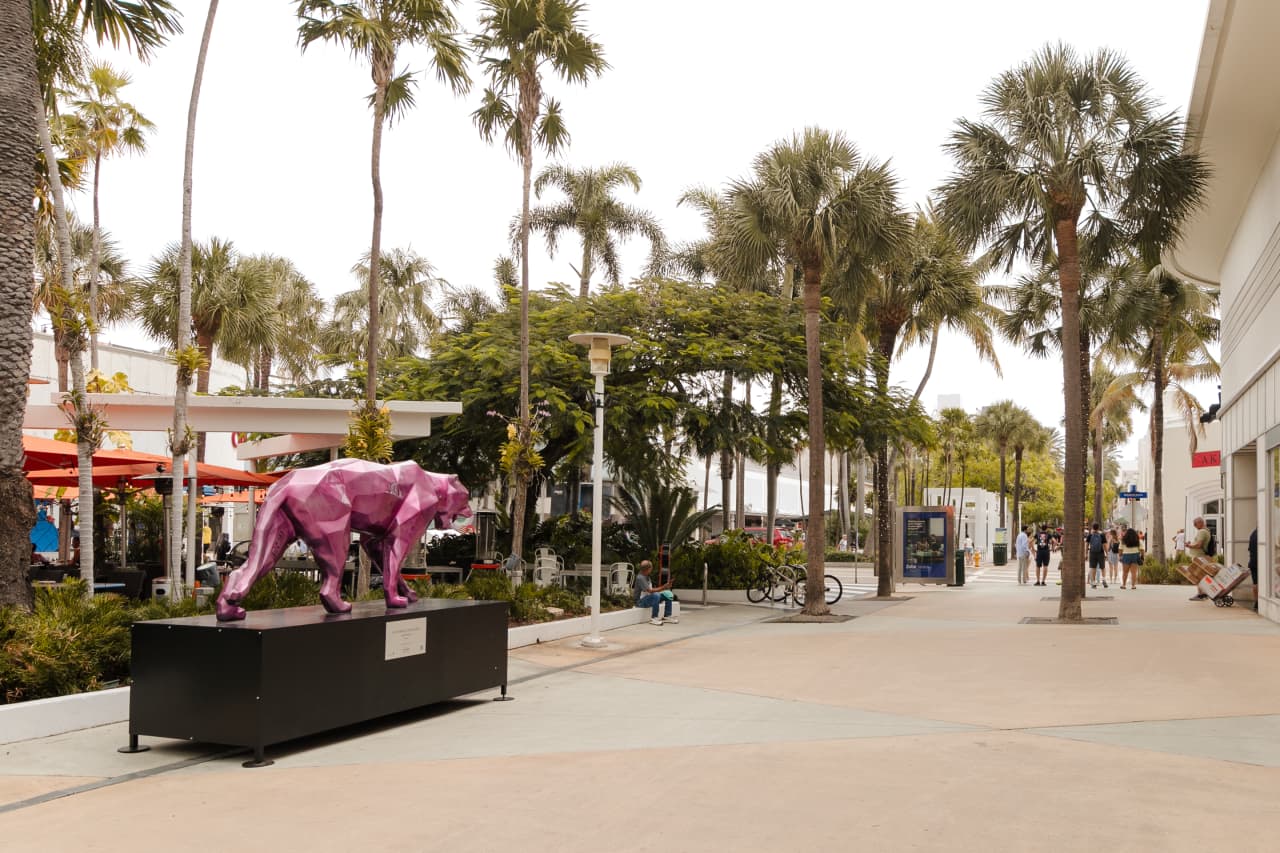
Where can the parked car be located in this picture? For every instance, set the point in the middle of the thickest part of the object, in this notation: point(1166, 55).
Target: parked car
point(780, 536)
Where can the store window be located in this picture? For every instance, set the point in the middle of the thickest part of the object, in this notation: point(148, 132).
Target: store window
point(1273, 532)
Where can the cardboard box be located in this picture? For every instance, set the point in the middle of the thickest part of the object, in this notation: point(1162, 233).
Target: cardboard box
point(1227, 579)
point(1199, 568)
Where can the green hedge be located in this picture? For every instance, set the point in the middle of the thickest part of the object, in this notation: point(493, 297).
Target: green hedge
point(1155, 572)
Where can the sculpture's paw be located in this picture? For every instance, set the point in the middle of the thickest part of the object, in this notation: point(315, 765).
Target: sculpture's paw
point(397, 601)
point(227, 612)
point(411, 595)
point(335, 604)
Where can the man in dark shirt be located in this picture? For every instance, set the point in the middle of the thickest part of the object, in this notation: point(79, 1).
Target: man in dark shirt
point(1044, 541)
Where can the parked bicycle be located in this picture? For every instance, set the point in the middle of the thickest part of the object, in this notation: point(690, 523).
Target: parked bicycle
point(778, 583)
point(832, 589)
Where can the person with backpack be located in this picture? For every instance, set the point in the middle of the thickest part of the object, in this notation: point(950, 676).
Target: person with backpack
point(1113, 554)
point(1130, 557)
point(1097, 555)
point(1044, 541)
point(1201, 543)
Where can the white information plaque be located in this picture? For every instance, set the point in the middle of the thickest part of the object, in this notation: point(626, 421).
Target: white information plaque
point(406, 638)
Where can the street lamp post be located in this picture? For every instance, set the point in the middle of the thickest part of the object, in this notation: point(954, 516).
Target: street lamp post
point(601, 346)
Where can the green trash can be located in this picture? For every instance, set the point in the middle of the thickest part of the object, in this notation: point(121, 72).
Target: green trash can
point(959, 569)
point(1000, 553)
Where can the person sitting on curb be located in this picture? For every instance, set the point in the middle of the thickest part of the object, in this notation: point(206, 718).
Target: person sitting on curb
point(648, 595)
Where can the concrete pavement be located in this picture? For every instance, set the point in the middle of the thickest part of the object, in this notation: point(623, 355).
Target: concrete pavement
point(934, 723)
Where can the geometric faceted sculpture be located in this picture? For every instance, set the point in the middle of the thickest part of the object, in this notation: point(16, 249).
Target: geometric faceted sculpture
point(390, 507)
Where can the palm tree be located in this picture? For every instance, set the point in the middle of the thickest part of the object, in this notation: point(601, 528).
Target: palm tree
point(405, 316)
point(187, 358)
point(376, 30)
point(231, 305)
point(108, 126)
point(141, 26)
point(113, 295)
point(1110, 424)
point(953, 424)
point(661, 512)
point(1069, 145)
point(1177, 327)
point(518, 39)
point(599, 219)
point(999, 424)
point(1029, 437)
point(293, 331)
point(927, 284)
point(18, 90)
point(813, 200)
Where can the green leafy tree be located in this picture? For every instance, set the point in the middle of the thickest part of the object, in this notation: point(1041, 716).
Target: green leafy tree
point(290, 337)
point(376, 31)
point(517, 42)
point(1069, 143)
point(999, 424)
point(590, 210)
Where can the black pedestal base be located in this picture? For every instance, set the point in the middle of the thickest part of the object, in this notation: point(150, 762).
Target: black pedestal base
point(284, 674)
point(133, 746)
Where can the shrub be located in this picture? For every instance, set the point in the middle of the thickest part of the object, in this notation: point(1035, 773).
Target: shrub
point(566, 599)
point(732, 563)
point(489, 586)
point(452, 550)
point(527, 604)
point(282, 589)
point(844, 557)
point(1155, 572)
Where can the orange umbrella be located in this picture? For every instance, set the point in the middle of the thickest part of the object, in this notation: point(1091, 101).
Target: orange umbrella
point(235, 498)
point(145, 474)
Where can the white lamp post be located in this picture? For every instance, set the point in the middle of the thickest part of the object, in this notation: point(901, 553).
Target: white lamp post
point(601, 344)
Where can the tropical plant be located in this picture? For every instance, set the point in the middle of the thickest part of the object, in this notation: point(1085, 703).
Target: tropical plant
point(999, 424)
point(107, 126)
point(405, 317)
point(815, 202)
point(292, 339)
point(113, 295)
point(1172, 350)
point(376, 31)
point(1110, 424)
point(661, 512)
point(518, 40)
point(1069, 144)
point(1028, 437)
point(232, 305)
point(599, 219)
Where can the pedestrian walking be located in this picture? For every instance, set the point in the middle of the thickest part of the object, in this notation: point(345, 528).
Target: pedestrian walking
point(1113, 554)
point(1022, 550)
point(1044, 544)
point(968, 550)
point(1097, 555)
point(1130, 557)
point(1179, 543)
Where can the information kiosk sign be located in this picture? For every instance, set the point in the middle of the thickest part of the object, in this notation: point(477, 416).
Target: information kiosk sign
point(925, 544)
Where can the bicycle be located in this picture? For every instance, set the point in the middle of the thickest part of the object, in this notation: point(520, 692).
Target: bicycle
point(775, 583)
point(832, 588)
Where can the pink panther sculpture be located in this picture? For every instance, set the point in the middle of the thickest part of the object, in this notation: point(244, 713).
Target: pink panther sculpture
point(388, 505)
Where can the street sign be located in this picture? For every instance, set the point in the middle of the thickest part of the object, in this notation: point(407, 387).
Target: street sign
point(1133, 496)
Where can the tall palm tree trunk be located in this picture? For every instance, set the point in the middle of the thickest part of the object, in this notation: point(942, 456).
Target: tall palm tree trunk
point(1155, 541)
point(584, 275)
point(1073, 389)
point(1086, 435)
point(816, 535)
point(74, 342)
point(95, 260)
point(1017, 487)
point(63, 359)
point(19, 89)
point(204, 342)
point(860, 493)
point(1099, 452)
point(1004, 485)
point(726, 454)
point(772, 468)
point(964, 461)
point(884, 519)
point(844, 497)
point(521, 498)
point(180, 443)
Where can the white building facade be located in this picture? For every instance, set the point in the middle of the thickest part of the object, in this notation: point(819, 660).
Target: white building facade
point(1234, 243)
point(978, 512)
point(1192, 482)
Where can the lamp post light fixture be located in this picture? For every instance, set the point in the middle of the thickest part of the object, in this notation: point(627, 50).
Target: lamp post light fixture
point(601, 346)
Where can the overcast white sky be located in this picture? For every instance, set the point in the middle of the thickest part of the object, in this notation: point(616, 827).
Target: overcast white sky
point(697, 88)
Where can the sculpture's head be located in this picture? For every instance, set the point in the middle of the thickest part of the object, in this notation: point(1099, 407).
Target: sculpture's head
point(453, 500)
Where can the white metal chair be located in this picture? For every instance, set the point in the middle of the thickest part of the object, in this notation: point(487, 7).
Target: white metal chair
point(514, 567)
point(540, 553)
point(546, 569)
point(622, 576)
